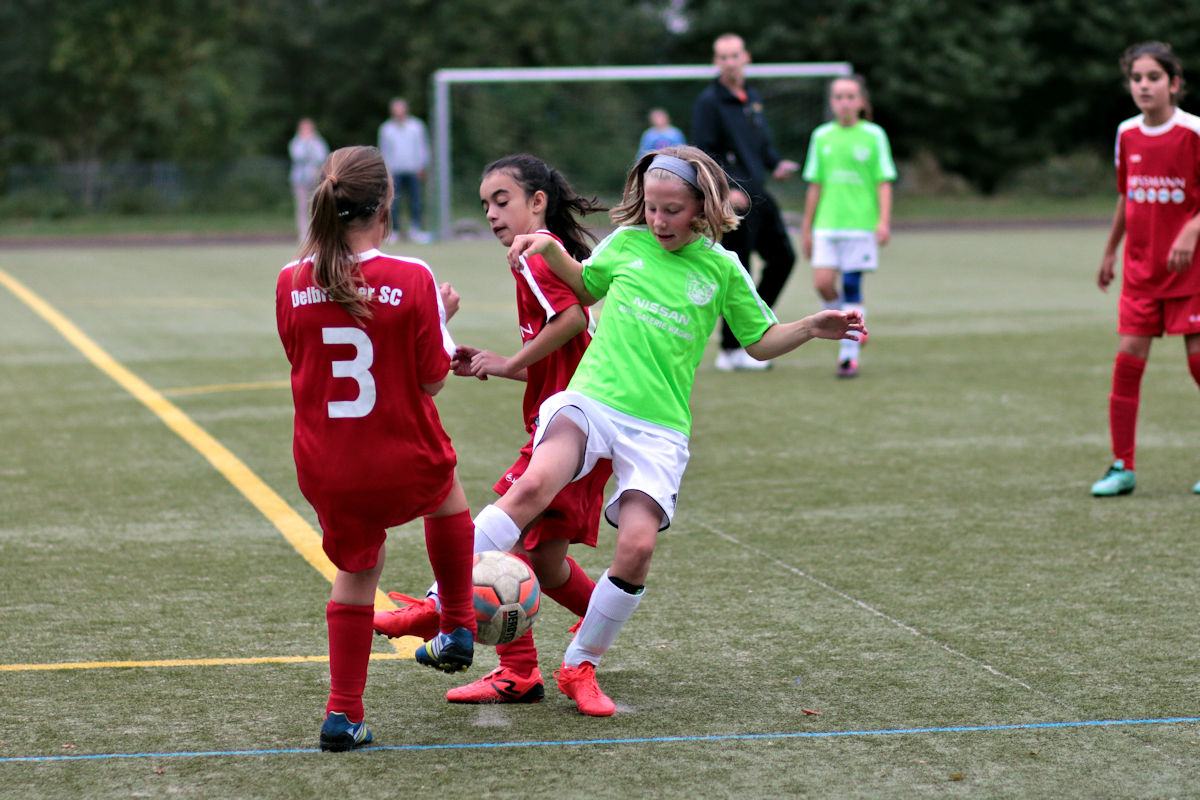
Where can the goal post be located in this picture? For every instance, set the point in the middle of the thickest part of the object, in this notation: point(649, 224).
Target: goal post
point(571, 119)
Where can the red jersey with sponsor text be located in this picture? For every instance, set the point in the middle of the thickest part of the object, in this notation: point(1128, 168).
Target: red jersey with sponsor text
point(1158, 174)
point(362, 420)
point(541, 296)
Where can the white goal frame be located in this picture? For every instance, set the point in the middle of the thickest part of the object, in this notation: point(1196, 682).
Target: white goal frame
point(444, 79)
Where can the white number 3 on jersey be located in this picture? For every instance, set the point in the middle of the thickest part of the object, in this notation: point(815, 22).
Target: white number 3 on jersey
point(357, 369)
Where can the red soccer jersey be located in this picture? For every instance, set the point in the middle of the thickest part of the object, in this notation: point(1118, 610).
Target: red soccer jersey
point(541, 295)
point(362, 420)
point(1158, 173)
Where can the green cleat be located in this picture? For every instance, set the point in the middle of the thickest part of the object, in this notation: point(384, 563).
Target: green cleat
point(1196, 488)
point(1116, 481)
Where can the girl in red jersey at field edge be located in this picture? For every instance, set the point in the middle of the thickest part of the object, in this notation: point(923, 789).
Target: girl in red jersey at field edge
point(520, 195)
point(1158, 177)
point(366, 338)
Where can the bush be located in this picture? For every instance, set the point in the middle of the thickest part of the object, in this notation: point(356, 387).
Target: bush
point(1078, 174)
point(42, 204)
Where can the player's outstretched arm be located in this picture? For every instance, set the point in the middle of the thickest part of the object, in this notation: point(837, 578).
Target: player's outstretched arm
point(553, 335)
point(559, 260)
point(785, 337)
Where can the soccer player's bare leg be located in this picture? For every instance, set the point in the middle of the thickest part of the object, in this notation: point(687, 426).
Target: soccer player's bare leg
point(555, 462)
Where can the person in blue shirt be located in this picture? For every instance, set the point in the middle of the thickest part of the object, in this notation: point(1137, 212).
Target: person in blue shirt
point(660, 134)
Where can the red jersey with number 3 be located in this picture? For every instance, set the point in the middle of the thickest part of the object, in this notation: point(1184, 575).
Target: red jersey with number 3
point(541, 296)
point(363, 422)
point(1158, 174)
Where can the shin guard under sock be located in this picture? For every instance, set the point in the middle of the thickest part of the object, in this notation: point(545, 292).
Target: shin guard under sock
point(449, 542)
point(350, 632)
point(607, 612)
point(1123, 406)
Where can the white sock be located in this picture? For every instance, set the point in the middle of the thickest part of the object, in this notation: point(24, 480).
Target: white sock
point(849, 350)
point(501, 526)
point(608, 610)
point(495, 530)
point(831, 305)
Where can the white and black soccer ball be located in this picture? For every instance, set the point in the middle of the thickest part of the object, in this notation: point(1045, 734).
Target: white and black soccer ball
point(507, 597)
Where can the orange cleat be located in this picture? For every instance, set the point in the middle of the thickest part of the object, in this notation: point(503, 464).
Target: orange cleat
point(579, 684)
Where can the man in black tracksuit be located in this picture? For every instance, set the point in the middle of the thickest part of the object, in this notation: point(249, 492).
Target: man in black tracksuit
point(728, 123)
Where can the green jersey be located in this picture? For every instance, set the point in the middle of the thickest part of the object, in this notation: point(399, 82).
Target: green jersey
point(849, 163)
point(660, 308)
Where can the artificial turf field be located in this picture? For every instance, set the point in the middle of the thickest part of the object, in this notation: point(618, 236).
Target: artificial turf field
point(913, 554)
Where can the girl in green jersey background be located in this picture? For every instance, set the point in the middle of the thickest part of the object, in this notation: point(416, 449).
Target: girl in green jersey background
point(848, 206)
point(667, 281)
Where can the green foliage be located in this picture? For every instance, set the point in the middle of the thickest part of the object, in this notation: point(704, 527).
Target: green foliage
point(986, 87)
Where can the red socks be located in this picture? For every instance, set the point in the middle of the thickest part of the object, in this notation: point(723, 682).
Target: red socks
point(1194, 367)
point(575, 594)
point(350, 632)
point(521, 655)
point(1123, 405)
point(450, 543)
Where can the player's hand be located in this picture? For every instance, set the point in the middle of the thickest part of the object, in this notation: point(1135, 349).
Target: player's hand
point(806, 244)
point(883, 233)
point(527, 244)
point(739, 200)
point(830, 324)
point(485, 363)
point(1107, 271)
point(1183, 249)
point(460, 363)
point(784, 169)
point(450, 299)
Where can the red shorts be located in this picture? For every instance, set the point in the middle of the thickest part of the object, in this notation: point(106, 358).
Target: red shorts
point(574, 513)
point(354, 524)
point(1154, 316)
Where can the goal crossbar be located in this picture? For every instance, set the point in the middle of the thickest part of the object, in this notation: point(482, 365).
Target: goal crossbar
point(444, 79)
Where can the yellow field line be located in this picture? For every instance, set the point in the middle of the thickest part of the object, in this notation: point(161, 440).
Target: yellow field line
point(215, 388)
point(293, 526)
point(185, 662)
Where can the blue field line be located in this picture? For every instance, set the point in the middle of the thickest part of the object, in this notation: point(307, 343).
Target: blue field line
point(1025, 726)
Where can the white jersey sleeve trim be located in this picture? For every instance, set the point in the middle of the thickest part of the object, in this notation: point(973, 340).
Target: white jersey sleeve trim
point(887, 167)
point(447, 340)
point(1132, 122)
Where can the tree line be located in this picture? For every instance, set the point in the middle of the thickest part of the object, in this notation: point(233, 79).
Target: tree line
point(985, 87)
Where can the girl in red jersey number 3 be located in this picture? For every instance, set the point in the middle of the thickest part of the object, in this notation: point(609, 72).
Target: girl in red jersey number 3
point(1158, 214)
point(366, 338)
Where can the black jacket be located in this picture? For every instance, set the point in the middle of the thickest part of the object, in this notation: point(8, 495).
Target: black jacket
point(735, 134)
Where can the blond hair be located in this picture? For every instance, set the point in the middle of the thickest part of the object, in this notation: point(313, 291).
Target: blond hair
point(711, 188)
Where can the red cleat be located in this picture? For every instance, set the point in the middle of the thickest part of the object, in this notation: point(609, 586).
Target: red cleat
point(501, 685)
point(579, 684)
point(419, 618)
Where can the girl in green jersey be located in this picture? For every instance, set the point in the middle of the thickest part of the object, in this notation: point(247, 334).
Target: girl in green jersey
point(667, 281)
point(848, 206)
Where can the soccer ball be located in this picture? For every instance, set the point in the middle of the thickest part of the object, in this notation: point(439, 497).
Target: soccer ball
point(507, 597)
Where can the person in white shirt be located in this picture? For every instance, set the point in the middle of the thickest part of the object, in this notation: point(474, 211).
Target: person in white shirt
point(404, 143)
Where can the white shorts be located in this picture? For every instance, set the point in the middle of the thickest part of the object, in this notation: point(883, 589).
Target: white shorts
point(645, 457)
point(849, 251)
